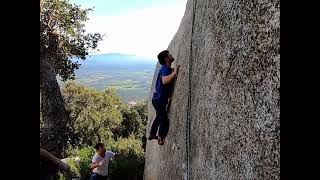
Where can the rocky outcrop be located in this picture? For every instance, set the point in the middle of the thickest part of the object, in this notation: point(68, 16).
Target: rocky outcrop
point(225, 111)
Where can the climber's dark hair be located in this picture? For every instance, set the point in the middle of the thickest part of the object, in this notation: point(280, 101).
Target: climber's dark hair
point(162, 55)
point(98, 145)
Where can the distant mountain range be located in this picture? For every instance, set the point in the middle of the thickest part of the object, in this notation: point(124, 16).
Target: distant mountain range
point(130, 75)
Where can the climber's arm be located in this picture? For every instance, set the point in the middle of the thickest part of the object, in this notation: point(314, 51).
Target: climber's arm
point(169, 78)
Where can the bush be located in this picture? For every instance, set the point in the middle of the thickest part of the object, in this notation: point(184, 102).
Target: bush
point(128, 167)
point(82, 168)
point(131, 165)
point(74, 168)
point(101, 116)
point(85, 155)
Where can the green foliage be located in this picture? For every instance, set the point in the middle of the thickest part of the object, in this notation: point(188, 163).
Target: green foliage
point(100, 116)
point(93, 114)
point(132, 122)
point(74, 167)
point(65, 23)
point(85, 155)
point(130, 165)
point(142, 109)
point(82, 168)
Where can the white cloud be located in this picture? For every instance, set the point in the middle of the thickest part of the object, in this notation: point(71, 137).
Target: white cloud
point(144, 33)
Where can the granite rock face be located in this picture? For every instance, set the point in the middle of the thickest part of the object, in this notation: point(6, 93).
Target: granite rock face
point(225, 111)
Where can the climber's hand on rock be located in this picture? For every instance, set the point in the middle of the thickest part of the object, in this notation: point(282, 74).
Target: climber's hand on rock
point(176, 70)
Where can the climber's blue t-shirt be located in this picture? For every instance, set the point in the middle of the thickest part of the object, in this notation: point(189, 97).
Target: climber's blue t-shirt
point(162, 92)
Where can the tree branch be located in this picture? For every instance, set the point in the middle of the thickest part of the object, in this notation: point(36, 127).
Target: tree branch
point(56, 162)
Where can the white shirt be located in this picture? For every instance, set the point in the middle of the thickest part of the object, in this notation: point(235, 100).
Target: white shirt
point(102, 170)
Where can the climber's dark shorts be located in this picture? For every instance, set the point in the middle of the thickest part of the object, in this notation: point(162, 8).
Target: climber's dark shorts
point(95, 176)
point(160, 121)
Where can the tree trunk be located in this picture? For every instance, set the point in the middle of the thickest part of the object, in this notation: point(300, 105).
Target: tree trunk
point(54, 114)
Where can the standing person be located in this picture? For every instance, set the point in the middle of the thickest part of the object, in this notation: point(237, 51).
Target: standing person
point(100, 162)
point(160, 97)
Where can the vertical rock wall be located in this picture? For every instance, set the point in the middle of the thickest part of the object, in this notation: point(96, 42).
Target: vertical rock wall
point(225, 112)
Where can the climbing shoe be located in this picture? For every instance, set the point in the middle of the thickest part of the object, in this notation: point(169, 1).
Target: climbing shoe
point(152, 137)
point(161, 141)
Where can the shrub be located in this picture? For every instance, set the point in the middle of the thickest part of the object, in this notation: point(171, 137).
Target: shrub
point(82, 168)
point(131, 165)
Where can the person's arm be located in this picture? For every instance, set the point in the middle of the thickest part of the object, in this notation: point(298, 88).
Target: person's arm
point(95, 163)
point(169, 78)
point(118, 155)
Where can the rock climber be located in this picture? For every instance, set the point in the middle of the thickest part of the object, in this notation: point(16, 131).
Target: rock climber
point(100, 162)
point(163, 90)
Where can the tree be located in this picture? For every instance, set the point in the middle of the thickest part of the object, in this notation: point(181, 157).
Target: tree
point(142, 109)
point(62, 37)
point(134, 121)
point(94, 114)
point(102, 116)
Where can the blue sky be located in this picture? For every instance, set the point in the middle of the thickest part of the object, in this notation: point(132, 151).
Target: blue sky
point(117, 7)
point(134, 26)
